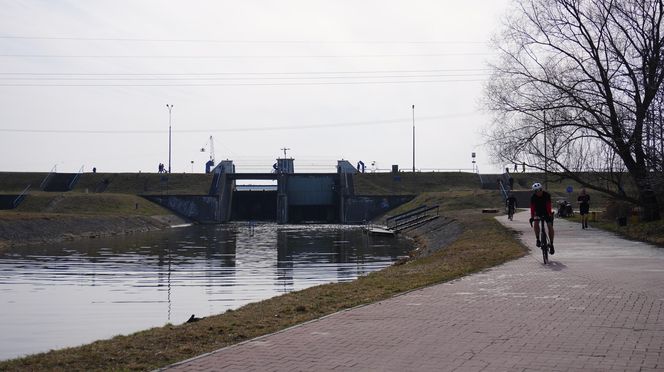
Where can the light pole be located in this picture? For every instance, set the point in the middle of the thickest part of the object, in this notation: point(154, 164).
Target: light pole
point(546, 159)
point(413, 138)
point(170, 108)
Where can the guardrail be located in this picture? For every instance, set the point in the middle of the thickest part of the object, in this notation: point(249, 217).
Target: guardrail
point(412, 218)
point(71, 184)
point(44, 182)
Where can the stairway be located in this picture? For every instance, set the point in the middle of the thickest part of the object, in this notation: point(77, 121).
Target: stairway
point(60, 182)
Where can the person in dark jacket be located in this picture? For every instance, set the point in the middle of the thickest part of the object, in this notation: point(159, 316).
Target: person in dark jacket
point(584, 208)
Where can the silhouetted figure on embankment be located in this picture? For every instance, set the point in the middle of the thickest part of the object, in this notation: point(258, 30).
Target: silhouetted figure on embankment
point(193, 318)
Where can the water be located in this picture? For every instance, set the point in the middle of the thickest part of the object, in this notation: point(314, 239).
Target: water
point(77, 292)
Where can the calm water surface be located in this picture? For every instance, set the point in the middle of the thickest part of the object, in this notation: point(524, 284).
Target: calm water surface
point(77, 292)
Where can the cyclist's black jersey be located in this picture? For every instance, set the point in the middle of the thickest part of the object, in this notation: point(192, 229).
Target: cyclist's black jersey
point(540, 205)
point(511, 202)
point(584, 199)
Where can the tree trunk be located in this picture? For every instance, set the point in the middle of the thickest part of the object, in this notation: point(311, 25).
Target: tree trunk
point(647, 200)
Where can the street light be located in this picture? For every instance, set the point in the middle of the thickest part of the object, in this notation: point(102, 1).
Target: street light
point(413, 138)
point(170, 108)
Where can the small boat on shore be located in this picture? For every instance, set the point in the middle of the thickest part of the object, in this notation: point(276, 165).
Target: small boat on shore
point(378, 230)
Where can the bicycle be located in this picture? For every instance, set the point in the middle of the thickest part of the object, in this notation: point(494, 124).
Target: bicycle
point(510, 212)
point(543, 238)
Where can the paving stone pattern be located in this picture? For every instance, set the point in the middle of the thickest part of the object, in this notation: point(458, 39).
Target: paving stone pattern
point(598, 306)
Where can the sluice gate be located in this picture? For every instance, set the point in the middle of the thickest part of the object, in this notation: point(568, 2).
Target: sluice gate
point(296, 198)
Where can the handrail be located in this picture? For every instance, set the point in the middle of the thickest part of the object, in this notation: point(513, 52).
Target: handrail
point(405, 219)
point(406, 213)
point(44, 182)
point(416, 214)
point(18, 198)
point(73, 181)
point(417, 220)
point(502, 190)
point(479, 175)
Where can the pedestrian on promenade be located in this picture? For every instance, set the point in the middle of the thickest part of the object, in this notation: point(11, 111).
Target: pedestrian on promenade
point(584, 207)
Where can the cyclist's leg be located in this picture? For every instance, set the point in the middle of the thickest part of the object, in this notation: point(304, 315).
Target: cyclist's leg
point(543, 239)
point(549, 225)
point(537, 232)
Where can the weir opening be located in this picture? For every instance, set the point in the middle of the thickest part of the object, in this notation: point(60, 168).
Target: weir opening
point(251, 205)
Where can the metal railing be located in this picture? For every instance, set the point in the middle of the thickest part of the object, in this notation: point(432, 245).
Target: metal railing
point(75, 179)
point(412, 218)
point(43, 184)
point(20, 198)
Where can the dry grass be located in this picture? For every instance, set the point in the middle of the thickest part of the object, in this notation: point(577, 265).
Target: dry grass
point(162, 346)
point(82, 203)
point(127, 183)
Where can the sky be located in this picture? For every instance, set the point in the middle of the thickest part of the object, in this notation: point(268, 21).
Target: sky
point(86, 84)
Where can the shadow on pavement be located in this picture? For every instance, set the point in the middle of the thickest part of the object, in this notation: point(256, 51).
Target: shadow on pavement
point(556, 265)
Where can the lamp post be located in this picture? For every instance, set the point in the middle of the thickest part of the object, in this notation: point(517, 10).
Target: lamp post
point(170, 108)
point(546, 159)
point(413, 138)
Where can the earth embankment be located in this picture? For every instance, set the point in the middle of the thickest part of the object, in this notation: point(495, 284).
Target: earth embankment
point(22, 229)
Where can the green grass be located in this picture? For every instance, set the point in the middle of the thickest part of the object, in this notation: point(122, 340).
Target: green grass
point(159, 347)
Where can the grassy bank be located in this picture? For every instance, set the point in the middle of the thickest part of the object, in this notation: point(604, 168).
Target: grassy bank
point(162, 346)
point(84, 204)
point(124, 183)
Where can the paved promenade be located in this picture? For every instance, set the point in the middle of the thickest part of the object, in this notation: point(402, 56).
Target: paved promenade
point(598, 306)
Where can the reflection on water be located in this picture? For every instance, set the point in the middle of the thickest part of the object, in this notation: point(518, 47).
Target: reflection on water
point(77, 292)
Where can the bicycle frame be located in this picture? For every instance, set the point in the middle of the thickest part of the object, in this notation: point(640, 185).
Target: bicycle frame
point(544, 242)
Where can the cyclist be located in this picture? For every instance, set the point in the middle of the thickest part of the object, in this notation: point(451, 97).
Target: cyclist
point(511, 205)
point(540, 206)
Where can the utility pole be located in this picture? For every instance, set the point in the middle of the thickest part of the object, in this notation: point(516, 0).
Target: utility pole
point(285, 149)
point(170, 108)
point(413, 138)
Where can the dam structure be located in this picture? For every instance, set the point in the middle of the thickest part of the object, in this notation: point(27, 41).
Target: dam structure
point(296, 197)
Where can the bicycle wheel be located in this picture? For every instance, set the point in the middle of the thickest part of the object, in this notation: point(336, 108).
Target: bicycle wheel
point(545, 245)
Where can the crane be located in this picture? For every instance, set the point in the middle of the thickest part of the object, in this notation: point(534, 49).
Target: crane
point(210, 163)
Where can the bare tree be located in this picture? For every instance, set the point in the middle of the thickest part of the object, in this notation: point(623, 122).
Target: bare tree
point(585, 76)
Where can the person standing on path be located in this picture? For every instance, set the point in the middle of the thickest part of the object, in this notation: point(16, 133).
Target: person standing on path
point(584, 207)
point(540, 206)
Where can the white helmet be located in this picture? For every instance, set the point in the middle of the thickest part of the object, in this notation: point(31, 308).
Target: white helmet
point(537, 186)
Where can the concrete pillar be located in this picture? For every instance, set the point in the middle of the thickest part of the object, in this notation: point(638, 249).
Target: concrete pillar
point(282, 199)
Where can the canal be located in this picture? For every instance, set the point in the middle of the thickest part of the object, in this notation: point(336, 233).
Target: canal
point(77, 292)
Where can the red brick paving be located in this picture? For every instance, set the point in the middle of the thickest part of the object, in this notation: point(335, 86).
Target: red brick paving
point(599, 306)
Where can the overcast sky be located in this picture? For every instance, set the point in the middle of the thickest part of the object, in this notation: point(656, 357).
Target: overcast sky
point(86, 83)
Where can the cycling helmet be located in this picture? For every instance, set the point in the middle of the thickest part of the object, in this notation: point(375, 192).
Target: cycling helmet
point(537, 186)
